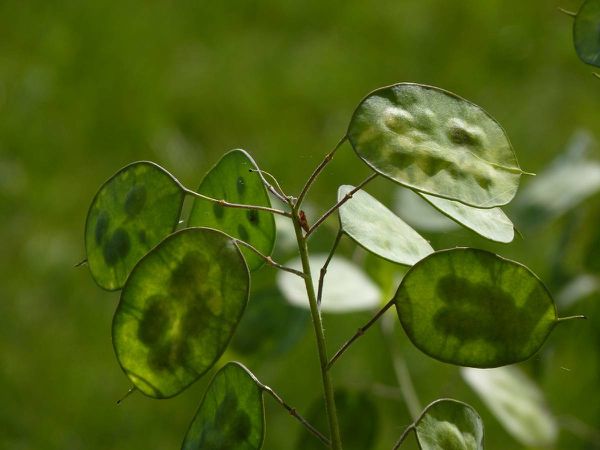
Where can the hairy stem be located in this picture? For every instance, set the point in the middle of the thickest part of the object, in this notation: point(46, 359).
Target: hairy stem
point(323, 271)
point(296, 415)
point(359, 333)
point(236, 205)
point(317, 171)
point(268, 259)
point(335, 207)
point(334, 429)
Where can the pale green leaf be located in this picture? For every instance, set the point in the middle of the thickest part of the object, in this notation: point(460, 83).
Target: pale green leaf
point(437, 143)
point(379, 230)
point(517, 402)
point(346, 288)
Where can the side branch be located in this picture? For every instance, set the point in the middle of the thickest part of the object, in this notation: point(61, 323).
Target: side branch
point(403, 437)
point(237, 205)
point(296, 415)
point(324, 268)
point(359, 333)
point(317, 171)
point(268, 259)
point(335, 207)
point(274, 188)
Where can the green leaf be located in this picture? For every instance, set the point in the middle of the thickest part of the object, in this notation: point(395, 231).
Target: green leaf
point(473, 308)
point(358, 419)
point(517, 402)
point(449, 425)
point(490, 223)
point(346, 288)
point(231, 180)
point(131, 213)
point(231, 415)
point(270, 326)
point(437, 143)
point(379, 230)
point(586, 32)
point(179, 309)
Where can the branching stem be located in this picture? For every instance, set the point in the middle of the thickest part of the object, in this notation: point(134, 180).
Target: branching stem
point(334, 429)
point(323, 271)
point(274, 188)
point(236, 205)
point(359, 333)
point(335, 207)
point(296, 415)
point(268, 259)
point(317, 171)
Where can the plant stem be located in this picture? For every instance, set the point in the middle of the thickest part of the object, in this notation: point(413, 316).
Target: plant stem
point(236, 205)
point(268, 259)
point(407, 388)
point(334, 208)
point(324, 268)
point(334, 429)
point(567, 12)
point(359, 333)
point(296, 415)
point(403, 437)
point(274, 188)
point(317, 171)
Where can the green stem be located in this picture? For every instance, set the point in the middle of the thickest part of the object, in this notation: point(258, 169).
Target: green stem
point(403, 437)
point(324, 268)
point(336, 440)
point(236, 205)
point(268, 259)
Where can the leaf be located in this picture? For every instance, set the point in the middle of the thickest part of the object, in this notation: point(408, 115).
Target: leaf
point(231, 415)
point(379, 230)
point(449, 425)
point(586, 32)
point(516, 402)
point(358, 420)
point(419, 214)
point(270, 326)
point(490, 223)
point(569, 180)
point(131, 213)
point(179, 309)
point(231, 180)
point(346, 288)
point(473, 308)
point(437, 143)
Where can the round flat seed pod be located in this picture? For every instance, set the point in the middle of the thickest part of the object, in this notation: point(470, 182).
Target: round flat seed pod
point(437, 143)
point(231, 414)
point(517, 402)
point(131, 213)
point(231, 180)
point(473, 308)
point(379, 230)
point(179, 309)
point(586, 32)
point(490, 223)
point(449, 425)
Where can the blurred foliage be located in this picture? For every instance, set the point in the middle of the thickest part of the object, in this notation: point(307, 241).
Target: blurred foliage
point(87, 87)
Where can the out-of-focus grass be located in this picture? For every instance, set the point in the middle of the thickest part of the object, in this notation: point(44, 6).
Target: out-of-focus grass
point(86, 87)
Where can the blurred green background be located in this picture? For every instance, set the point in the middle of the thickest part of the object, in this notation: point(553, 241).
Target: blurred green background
point(87, 87)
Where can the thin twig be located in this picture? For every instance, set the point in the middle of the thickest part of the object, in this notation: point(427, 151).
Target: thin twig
point(334, 208)
point(296, 415)
point(268, 259)
point(404, 436)
point(236, 205)
point(81, 263)
point(131, 390)
point(359, 333)
point(317, 171)
point(324, 268)
point(275, 190)
point(567, 12)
